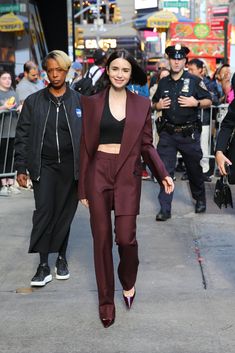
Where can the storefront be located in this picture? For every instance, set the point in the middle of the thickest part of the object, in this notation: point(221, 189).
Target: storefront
point(132, 44)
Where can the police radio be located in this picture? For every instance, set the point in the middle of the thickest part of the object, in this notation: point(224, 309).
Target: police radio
point(165, 94)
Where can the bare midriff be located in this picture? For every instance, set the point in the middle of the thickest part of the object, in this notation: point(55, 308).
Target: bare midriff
point(110, 148)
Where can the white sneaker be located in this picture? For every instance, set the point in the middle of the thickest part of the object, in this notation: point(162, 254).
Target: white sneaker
point(13, 190)
point(4, 191)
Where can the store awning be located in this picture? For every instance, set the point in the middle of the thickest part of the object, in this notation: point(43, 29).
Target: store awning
point(161, 19)
point(11, 23)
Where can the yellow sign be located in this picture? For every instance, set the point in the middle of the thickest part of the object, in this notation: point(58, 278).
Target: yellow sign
point(102, 43)
point(161, 19)
point(11, 23)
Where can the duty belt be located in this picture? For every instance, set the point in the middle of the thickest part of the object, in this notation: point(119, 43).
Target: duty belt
point(186, 130)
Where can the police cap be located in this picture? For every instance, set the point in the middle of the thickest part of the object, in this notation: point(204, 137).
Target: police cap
point(177, 51)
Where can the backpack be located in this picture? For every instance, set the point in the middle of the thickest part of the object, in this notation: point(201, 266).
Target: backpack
point(85, 86)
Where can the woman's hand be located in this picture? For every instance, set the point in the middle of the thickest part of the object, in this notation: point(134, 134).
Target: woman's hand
point(85, 202)
point(221, 161)
point(168, 184)
point(22, 180)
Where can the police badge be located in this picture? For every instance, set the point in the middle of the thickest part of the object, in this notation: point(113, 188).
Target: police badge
point(185, 89)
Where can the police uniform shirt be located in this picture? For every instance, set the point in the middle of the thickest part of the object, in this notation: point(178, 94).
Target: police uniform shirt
point(187, 85)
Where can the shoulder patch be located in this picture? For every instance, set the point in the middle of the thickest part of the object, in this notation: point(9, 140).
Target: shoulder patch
point(202, 85)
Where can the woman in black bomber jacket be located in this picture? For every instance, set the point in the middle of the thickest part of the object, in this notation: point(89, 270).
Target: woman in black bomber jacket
point(226, 129)
point(47, 146)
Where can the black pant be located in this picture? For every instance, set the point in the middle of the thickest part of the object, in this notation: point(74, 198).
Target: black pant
point(190, 149)
point(56, 203)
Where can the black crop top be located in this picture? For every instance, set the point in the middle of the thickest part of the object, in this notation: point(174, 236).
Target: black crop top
point(111, 130)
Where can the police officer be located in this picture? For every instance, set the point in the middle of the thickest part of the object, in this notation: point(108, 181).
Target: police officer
point(179, 96)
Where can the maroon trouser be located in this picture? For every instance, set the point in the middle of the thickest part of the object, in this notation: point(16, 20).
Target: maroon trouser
point(101, 203)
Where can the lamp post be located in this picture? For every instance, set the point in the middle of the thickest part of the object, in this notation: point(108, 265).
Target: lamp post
point(225, 40)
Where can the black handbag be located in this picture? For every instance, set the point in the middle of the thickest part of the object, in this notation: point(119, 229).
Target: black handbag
point(230, 154)
point(222, 193)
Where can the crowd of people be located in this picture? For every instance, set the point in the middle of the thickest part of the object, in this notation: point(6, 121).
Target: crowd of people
point(96, 149)
point(11, 102)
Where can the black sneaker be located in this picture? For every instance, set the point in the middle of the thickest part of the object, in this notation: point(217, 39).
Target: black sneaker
point(163, 216)
point(61, 268)
point(42, 276)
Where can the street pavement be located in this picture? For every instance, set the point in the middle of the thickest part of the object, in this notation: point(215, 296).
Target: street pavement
point(185, 301)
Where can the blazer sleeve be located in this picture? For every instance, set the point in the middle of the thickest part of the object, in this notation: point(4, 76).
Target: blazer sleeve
point(83, 167)
point(226, 129)
point(149, 153)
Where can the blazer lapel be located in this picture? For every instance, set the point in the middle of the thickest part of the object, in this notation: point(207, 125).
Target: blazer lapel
point(93, 108)
point(135, 118)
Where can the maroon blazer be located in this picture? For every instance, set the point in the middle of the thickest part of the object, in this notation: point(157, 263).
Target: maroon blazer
point(136, 141)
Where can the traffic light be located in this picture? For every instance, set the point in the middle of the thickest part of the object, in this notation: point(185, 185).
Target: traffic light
point(79, 38)
point(117, 15)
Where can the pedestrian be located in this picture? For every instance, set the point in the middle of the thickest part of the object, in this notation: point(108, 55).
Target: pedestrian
point(179, 96)
point(47, 145)
point(224, 77)
point(30, 83)
point(161, 64)
point(226, 129)
point(195, 67)
point(110, 174)
point(231, 94)
point(97, 69)
point(160, 74)
point(76, 69)
point(9, 108)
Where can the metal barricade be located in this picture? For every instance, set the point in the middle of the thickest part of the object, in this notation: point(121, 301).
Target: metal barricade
point(221, 111)
point(217, 114)
point(8, 122)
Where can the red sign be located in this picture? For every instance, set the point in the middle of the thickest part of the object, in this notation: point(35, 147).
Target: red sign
point(217, 25)
point(202, 40)
point(220, 10)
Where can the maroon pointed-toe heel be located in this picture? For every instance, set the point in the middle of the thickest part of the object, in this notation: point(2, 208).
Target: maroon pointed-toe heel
point(129, 300)
point(107, 322)
point(107, 315)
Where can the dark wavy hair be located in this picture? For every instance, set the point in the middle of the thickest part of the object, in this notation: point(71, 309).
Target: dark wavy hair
point(138, 76)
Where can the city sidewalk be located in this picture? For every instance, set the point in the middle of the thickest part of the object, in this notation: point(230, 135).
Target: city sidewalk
point(185, 301)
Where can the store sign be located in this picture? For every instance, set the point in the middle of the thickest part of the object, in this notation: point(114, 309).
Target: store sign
point(161, 19)
point(102, 43)
point(174, 4)
point(217, 24)
point(200, 38)
point(9, 8)
point(145, 4)
point(90, 44)
point(107, 43)
point(220, 10)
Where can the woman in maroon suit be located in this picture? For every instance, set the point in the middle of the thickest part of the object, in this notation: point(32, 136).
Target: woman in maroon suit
point(116, 132)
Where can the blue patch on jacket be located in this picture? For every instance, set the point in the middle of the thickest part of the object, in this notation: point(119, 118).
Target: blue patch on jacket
point(78, 112)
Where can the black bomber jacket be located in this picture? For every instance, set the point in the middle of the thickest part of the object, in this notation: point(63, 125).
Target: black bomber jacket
point(31, 128)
